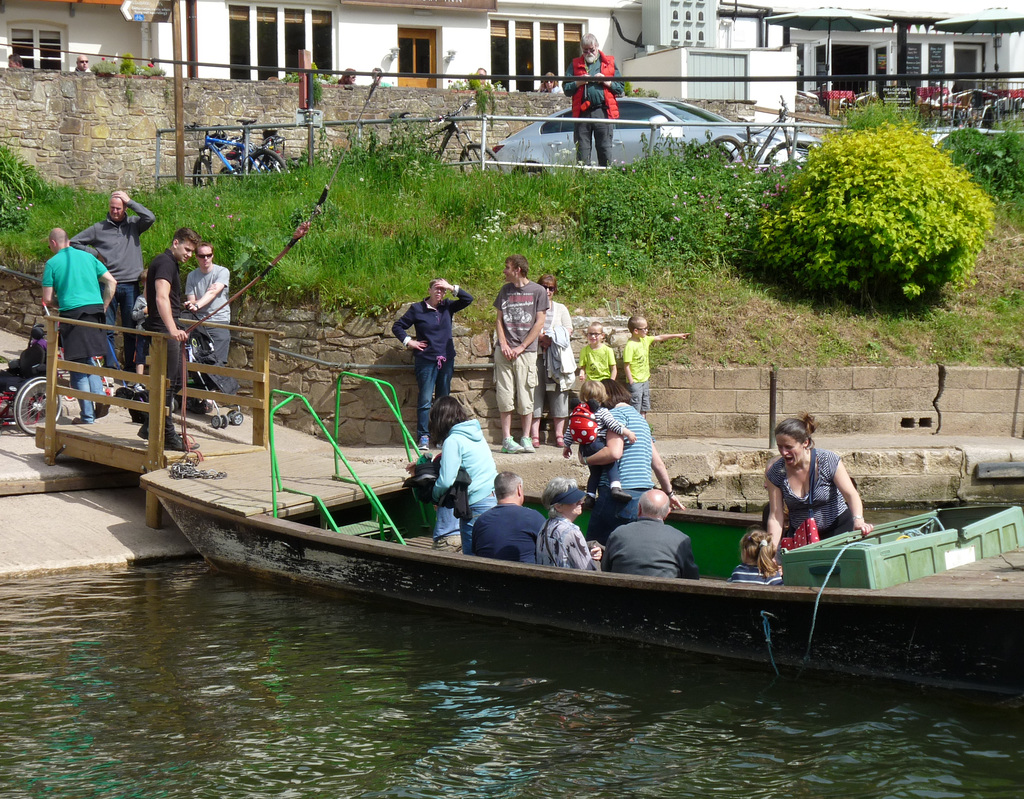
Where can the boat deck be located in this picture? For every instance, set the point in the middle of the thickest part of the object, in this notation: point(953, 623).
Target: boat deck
point(245, 489)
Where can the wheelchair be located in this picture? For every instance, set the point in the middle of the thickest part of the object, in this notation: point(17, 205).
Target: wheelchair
point(23, 402)
point(23, 388)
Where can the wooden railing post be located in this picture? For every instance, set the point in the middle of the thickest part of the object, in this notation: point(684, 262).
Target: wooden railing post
point(261, 388)
point(53, 398)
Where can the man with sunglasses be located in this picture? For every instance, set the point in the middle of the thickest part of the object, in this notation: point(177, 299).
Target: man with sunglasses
point(206, 291)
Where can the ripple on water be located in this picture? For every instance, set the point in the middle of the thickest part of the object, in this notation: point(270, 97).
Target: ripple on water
point(173, 681)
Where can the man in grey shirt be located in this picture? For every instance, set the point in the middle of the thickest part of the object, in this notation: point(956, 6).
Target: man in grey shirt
point(206, 290)
point(648, 546)
point(115, 241)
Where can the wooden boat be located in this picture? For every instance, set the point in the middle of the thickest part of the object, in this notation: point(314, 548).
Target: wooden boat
point(959, 629)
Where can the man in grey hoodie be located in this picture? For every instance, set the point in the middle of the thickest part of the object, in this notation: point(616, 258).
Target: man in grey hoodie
point(115, 241)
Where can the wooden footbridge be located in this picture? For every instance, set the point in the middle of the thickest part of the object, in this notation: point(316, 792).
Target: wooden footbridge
point(115, 442)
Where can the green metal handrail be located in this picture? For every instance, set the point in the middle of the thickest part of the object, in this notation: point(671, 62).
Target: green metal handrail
point(390, 397)
point(380, 515)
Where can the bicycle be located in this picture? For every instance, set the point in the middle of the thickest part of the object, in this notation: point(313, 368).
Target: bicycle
point(235, 157)
point(470, 152)
point(765, 147)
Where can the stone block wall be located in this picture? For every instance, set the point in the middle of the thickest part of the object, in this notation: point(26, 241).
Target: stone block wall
point(890, 403)
point(100, 132)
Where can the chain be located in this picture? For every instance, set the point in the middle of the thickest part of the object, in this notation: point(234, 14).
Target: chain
point(186, 469)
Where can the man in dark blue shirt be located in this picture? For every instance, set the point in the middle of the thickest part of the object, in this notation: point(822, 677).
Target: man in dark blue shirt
point(508, 531)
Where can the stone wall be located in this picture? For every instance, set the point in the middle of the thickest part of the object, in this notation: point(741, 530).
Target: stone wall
point(888, 403)
point(99, 132)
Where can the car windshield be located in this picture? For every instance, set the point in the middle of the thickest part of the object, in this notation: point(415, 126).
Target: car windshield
point(691, 113)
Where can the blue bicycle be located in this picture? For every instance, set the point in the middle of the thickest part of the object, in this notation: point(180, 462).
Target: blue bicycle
point(234, 157)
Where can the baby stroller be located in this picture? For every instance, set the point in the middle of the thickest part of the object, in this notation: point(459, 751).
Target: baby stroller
point(23, 386)
point(200, 350)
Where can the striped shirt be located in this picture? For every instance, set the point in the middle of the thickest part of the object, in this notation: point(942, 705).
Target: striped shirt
point(750, 575)
point(635, 464)
point(826, 505)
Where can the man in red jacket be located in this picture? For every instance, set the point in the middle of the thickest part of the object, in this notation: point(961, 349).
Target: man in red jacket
point(593, 99)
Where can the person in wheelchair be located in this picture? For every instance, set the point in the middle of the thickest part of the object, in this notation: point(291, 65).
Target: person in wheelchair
point(73, 278)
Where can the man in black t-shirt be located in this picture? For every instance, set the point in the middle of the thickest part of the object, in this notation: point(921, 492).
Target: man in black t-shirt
point(163, 296)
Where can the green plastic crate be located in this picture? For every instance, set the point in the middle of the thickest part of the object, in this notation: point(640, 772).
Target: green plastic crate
point(904, 550)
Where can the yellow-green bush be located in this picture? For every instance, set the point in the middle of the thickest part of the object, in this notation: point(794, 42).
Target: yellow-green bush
point(877, 214)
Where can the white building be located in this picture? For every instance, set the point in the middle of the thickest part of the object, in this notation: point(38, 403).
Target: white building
point(650, 38)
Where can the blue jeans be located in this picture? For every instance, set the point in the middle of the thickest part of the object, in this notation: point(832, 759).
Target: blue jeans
point(83, 382)
point(466, 525)
point(445, 523)
point(124, 299)
point(433, 383)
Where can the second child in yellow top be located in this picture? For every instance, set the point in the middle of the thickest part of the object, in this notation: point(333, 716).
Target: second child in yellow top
point(597, 360)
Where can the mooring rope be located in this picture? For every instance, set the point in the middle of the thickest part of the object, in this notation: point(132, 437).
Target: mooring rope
point(300, 231)
point(187, 470)
point(767, 625)
point(817, 599)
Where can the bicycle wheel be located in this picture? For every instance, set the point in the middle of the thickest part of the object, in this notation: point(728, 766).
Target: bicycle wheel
point(733, 149)
point(471, 156)
point(780, 154)
point(264, 160)
point(202, 169)
point(30, 405)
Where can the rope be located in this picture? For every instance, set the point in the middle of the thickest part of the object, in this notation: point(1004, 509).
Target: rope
point(817, 599)
point(768, 637)
point(187, 470)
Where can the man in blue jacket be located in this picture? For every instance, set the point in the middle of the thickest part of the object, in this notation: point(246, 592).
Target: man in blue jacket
point(433, 347)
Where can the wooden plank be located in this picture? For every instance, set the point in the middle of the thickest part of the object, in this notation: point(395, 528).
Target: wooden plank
point(112, 478)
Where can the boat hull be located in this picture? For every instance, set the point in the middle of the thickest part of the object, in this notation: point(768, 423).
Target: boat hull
point(946, 641)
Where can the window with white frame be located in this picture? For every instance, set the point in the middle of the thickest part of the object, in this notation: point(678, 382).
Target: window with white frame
point(269, 39)
point(39, 48)
point(525, 47)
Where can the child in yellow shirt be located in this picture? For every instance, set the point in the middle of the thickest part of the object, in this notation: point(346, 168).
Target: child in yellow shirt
point(597, 360)
point(636, 358)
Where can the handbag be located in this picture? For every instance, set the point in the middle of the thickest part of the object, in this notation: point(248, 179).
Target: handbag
point(807, 532)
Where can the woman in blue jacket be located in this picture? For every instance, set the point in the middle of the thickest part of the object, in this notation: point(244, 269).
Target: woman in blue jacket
point(462, 445)
point(433, 347)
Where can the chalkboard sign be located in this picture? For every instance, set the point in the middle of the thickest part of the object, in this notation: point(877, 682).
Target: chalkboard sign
point(913, 59)
point(901, 96)
point(936, 58)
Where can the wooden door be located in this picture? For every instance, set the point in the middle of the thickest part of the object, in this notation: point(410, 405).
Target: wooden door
point(417, 52)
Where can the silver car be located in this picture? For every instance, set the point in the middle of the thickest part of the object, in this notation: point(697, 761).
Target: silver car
point(545, 143)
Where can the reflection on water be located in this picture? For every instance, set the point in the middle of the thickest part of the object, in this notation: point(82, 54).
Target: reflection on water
point(173, 682)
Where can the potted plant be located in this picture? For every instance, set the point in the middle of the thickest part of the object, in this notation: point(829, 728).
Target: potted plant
point(104, 68)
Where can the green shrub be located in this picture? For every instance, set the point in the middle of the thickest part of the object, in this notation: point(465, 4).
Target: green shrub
point(19, 183)
point(995, 162)
point(686, 205)
point(877, 114)
point(104, 67)
point(128, 64)
point(877, 214)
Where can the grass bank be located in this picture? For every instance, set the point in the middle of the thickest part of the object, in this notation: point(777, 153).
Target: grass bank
point(674, 239)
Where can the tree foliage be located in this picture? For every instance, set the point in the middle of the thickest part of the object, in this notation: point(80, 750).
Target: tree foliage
point(877, 214)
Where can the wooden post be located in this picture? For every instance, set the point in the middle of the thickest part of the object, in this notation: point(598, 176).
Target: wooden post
point(261, 389)
point(53, 398)
point(157, 402)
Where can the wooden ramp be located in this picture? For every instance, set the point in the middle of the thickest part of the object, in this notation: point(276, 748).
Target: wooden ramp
point(114, 440)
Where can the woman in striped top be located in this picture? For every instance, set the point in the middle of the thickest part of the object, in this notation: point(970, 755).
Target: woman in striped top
point(810, 482)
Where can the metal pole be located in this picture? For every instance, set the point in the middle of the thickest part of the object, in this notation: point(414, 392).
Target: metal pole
point(773, 388)
point(179, 101)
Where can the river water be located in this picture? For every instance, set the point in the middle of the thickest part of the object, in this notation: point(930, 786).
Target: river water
point(174, 681)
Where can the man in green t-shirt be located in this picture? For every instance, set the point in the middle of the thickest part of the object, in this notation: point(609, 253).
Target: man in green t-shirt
point(74, 276)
